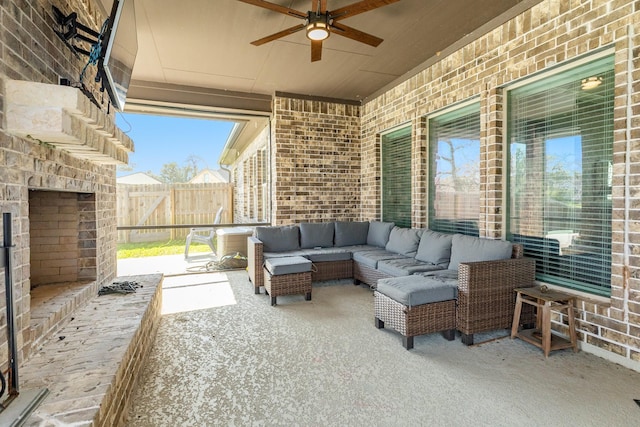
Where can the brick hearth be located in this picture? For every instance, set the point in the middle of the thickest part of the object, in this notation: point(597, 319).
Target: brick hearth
point(91, 364)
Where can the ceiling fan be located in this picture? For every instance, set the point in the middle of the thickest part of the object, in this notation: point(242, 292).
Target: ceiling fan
point(319, 23)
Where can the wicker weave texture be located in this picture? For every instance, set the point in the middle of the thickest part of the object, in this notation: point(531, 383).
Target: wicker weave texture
point(287, 284)
point(332, 270)
point(486, 297)
point(416, 320)
point(367, 275)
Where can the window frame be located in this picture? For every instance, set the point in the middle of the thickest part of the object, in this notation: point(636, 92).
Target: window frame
point(462, 109)
point(607, 54)
point(405, 127)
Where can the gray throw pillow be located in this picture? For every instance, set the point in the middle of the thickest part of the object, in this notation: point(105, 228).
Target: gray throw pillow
point(313, 235)
point(403, 241)
point(378, 234)
point(350, 233)
point(473, 249)
point(434, 247)
point(279, 239)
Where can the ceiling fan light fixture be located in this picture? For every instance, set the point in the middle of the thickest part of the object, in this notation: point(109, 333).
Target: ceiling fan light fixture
point(317, 31)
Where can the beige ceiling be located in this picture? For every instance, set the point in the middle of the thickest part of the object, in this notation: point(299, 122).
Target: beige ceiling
point(195, 57)
point(206, 44)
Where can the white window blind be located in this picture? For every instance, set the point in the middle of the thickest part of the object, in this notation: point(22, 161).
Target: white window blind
point(561, 152)
point(396, 177)
point(454, 174)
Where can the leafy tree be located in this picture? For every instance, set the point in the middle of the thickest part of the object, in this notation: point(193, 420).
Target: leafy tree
point(172, 173)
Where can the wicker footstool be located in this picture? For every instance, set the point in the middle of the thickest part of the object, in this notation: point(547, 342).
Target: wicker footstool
point(416, 305)
point(287, 276)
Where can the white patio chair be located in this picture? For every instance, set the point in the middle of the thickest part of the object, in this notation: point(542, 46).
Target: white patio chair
point(203, 235)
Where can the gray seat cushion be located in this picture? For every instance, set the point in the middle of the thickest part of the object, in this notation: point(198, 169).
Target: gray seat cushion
point(287, 265)
point(473, 249)
point(359, 248)
point(316, 235)
point(371, 258)
point(416, 290)
point(279, 239)
point(404, 241)
point(349, 233)
point(378, 234)
point(406, 266)
point(327, 255)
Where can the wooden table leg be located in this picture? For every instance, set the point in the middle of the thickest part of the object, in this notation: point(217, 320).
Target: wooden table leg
point(539, 314)
point(516, 316)
point(546, 328)
point(572, 326)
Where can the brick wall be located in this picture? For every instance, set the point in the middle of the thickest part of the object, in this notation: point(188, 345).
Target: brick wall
point(30, 50)
point(315, 160)
point(550, 33)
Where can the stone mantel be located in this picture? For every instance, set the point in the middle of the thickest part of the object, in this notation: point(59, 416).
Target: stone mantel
point(64, 117)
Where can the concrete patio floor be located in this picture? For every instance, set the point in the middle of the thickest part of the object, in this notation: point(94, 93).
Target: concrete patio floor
point(168, 265)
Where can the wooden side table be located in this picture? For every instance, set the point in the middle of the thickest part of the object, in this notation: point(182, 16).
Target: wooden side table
point(542, 337)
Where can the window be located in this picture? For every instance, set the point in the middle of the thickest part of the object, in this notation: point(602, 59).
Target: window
point(560, 133)
point(396, 177)
point(454, 174)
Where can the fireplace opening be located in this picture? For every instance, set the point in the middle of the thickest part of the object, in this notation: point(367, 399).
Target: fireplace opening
point(63, 266)
point(62, 237)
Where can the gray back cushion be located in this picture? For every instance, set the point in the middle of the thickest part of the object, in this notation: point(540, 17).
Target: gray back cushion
point(378, 234)
point(403, 241)
point(434, 247)
point(279, 239)
point(314, 235)
point(350, 233)
point(472, 249)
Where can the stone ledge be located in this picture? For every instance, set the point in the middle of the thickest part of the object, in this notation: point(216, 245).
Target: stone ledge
point(91, 373)
point(62, 116)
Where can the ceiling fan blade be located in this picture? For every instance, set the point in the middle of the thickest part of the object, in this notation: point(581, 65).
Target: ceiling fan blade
point(357, 8)
point(316, 50)
point(276, 8)
point(278, 35)
point(356, 35)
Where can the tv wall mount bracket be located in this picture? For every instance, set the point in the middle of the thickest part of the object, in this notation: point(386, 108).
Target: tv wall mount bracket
point(71, 32)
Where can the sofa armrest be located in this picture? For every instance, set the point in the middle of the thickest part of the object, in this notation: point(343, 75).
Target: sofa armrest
point(491, 276)
point(486, 297)
point(255, 261)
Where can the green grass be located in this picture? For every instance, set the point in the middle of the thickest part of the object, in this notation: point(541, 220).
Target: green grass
point(148, 249)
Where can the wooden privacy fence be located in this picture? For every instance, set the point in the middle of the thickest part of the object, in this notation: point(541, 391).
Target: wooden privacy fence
point(170, 204)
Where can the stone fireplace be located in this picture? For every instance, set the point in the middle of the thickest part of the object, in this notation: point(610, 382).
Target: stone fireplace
point(58, 157)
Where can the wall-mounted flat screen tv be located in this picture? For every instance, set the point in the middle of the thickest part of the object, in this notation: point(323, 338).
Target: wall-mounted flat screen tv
point(120, 47)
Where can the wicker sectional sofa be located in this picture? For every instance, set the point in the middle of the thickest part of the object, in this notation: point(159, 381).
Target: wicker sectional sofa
point(485, 271)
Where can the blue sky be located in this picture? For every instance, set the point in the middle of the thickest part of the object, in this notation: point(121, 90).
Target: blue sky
point(159, 140)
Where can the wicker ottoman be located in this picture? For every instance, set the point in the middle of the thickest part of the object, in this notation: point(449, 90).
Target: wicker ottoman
point(287, 276)
point(416, 305)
